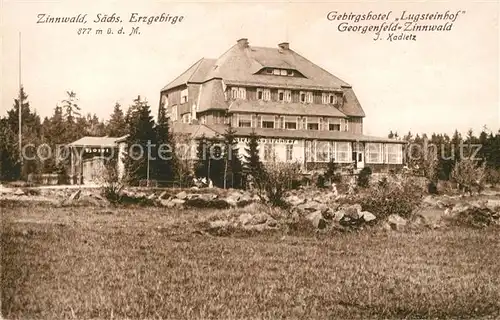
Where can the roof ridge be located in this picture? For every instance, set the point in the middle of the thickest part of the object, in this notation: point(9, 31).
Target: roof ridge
point(179, 76)
point(320, 67)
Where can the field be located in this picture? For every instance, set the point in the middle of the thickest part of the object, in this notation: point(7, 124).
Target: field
point(151, 263)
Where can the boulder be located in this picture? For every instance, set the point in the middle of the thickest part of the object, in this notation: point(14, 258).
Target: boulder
point(459, 208)
point(182, 195)
point(493, 205)
point(162, 195)
point(317, 220)
point(19, 192)
point(75, 195)
point(368, 216)
point(430, 201)
point(294, 200)
point(260, 218)
point(245, 218)
point(338, 215)
point(353, 211)
point(396, 222)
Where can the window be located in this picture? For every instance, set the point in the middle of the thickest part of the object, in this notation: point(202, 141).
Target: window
point(270, 71)
point(238, 93)
point(289, 152)
point(186, 118)
point(174, 113)
point(312, 126)
point(268, 152)
point(259, 122)
point(203, 119)
point(281, 95)
point(394, 153)
point(333, 99)
point(322, 151)
point(312, 123)
point(283, 72)
point(334, 127)
point(276, 72)
point(324, 98)
point(310, 150)
point(291, 125)
point(267, 95)
point(260, 94)
point(288, 95)
point(343, 151)
point(184, 96)
point(164, 100)
point(268, 124)
point(374, 153)
point(290, 73)
point(264, 94)
point(244, 121)
point(346, 125)
point(306, 97)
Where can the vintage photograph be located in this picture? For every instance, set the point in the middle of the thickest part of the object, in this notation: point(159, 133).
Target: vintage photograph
point(250, 160)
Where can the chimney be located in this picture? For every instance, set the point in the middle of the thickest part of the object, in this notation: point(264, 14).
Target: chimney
point(284, 46)
point(243, 42)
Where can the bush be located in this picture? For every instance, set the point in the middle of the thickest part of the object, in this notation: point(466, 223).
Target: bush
point(493, 176)
point(112, 187)
point(277, 178)
point(383, 200)
point(468, 174)
point(364, 177)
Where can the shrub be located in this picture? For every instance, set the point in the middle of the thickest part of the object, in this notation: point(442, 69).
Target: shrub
point(112, 186)
point(468, 174)
point(364, 177)
point(277, 178)
point(493, 176)
point(332, 172)
point(384, 199)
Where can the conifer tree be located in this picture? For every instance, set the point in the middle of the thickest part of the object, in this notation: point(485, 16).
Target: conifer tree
point(140, 143)
point(116, 126)
point(232, 163)
point(164, 165)
point(253, 164)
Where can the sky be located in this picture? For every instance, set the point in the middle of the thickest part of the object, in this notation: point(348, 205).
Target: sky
point(441, 82)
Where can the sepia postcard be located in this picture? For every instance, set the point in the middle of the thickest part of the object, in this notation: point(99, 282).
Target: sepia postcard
point(250, 160)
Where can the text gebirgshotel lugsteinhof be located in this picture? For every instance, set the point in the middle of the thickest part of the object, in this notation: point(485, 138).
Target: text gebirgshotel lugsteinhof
point(395, 26)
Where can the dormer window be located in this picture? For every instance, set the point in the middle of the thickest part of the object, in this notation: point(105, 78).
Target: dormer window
point(281, 95)
point(282, 72)
point(238, 93)
point(264, 94)
point(328, 98)
point(306, 96)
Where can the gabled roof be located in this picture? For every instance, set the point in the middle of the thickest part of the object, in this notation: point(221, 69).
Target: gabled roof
point(196, 73)
point(299, 109)
point(240, 64)
point(95, 142)
point(195, 131)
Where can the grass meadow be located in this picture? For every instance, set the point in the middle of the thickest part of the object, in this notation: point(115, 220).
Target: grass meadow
point(151, 263)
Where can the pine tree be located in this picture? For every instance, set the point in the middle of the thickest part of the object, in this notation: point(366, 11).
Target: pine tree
point(30, 138)
point(202, 163)
point(140, 142)
point(232, 162)
point(164, 165)
point(71, 112)
point(253, 165)
point(116, 126)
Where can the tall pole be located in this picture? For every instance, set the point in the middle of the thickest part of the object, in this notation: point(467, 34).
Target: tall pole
point(20, 107)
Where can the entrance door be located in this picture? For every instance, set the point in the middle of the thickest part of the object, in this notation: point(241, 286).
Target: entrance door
point(358, 155)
